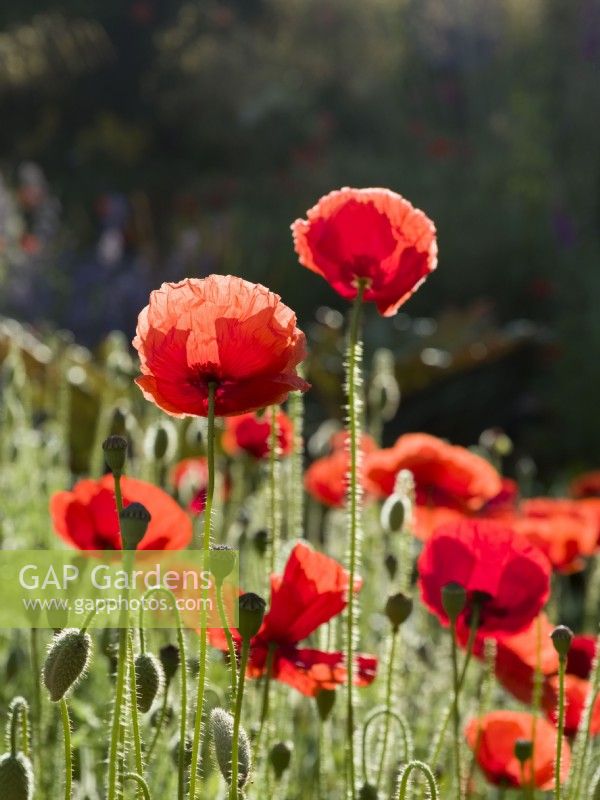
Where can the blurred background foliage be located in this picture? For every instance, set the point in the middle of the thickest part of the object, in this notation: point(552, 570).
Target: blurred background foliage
point(146, 140)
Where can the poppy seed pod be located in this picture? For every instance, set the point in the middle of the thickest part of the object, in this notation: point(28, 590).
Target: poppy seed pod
point(454, 600)
point(221, 723)
point(280, 756)
point(170, 661)
point(67, 660)
point(149, 680)
point(221, 561)
point(368, 792)
point(398, 609)
point(16, 777)
point(134, 520)
point(561, 639)
point(325, 703)
point(115, 453)
point(251, 613)
point(523, 750)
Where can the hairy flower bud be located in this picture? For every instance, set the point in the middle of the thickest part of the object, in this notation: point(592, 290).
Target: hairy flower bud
point(454, 600)
point(398, 609)
point(115, 453)
point(251, 613)
point(325, 702)
point(221, 723)
point(561, 639)
point(393, 514)
point(16, 777)
point(368, 792)
point(280, 756)
point(134, 520)
point(170, 661)
point(66, 661)
point(149, 680)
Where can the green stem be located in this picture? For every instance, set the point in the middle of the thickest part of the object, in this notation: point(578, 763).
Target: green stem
point(582, 741)
point(66, 723)
point(37, 691)
point(142, 785)
point(19, 716)
point(135, 723)
point(352, 386)
point(404, 731)
point(456, 711)
point(264, 712)
point(210, 491)
point(159, 726)
point(234, 789)
point(562, 665)
point(273, 489)
point(405, 775)
point(388, 705)
point(230, 643)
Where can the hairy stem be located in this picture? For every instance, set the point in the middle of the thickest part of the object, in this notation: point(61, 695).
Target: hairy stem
point(66, 723)
point(234, 789)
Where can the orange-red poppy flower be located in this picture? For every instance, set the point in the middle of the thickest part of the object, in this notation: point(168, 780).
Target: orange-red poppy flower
point(224, 331)
point(500, 570)
point(313, 589)
point(445, 474)
point(373, 235)
point(492, 738)
point(564, 530)
point(326, 479)
point(86, 517)
point(577, 691)
point(249, 433)
point(586, 485)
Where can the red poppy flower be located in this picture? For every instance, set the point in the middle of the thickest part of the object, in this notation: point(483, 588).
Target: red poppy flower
point(499, 569)
point(580, 658)
point(563, 529)
point(492, 738)
point(251, 434)
point(368, 234)
point(586, 485)
point(576, 694)
point(86, 517)
point(190, 476)
point(326, 479)
point(444, 474)
point(591, 507)
point(312, 590)
point(222, 330)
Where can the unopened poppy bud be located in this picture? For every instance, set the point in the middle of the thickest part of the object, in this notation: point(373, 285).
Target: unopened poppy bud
point(368, 792)
point(221, 561)
point(260, 540)
point(16, 777)
point(454, 600)
point(398, 609)
point(160, 441)
point(523, 750)
point(221, 723)
point(134, 520)
point(393, 514)
point(561, 639)
point(325, 703)
point(149, 680)
point(251, 613)
point(280, 756)
point(170, 660)
point(115, 453)
point(67, 660)
point(391, 565)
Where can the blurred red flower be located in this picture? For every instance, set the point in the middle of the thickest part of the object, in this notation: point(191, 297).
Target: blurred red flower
point(370, 234)
point(251, 434)
point(576, 694)
point(222, 330)
point(326, 479)
point(190, 476)
point(445, 474)
point(312, 590)
point(586, 485)
point(492, 738)
point(86, 517)
point(507, 576)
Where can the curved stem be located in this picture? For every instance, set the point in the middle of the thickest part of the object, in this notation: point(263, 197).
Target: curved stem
point(388, 705)
point(230, 643)
point(143, 786)
point(234, 789)
point(562, 665)
point(66, 723)
point(135, 724)
point(404, 730)
point(405, 775)
point(210, 492)
point(354, 495)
